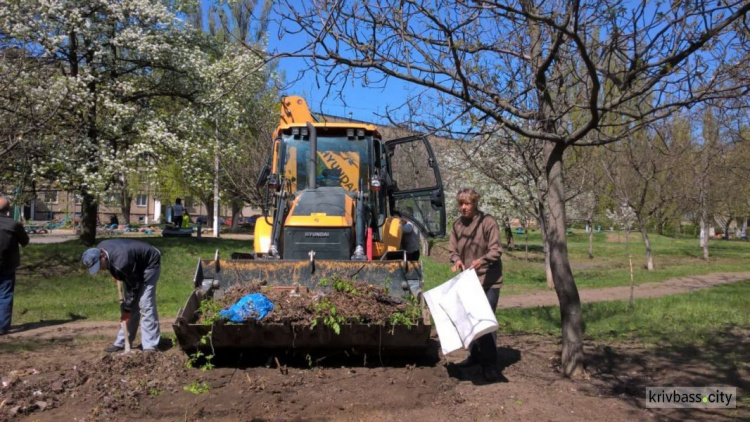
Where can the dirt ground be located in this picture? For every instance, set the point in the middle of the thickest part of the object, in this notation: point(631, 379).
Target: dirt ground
point(61, 373)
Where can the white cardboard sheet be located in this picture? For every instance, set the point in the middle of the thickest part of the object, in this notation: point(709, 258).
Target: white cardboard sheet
point(460, 311)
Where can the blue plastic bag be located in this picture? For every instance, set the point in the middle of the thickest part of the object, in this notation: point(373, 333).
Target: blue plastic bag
point(253, 306)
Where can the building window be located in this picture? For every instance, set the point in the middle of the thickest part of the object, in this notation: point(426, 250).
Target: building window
point(141, 200)
point(78, 198)
point(50, 197)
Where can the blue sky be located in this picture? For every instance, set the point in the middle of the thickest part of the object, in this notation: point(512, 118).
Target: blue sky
point(367, 103)
point(359, 102)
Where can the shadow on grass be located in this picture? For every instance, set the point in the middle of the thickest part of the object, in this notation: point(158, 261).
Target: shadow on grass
point(624, 371)
point(45, 323)
point(536, 253)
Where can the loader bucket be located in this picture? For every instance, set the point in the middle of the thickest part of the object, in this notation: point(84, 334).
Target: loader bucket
point(399, 277)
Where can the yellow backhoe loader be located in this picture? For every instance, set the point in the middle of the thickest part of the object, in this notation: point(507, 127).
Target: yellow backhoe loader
point(333, 191)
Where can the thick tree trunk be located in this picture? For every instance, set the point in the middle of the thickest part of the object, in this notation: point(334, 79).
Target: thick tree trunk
point(208, 201)
point(89, 210)
point(726, 227)
point(548, 268)
point(126, 200)
point(545, 247)
point(565, 286)
point(236, 208)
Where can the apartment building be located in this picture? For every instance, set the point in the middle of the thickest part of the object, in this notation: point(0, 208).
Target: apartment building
point(145, 207)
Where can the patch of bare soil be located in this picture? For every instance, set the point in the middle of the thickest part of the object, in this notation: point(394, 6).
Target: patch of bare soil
point(75, 380)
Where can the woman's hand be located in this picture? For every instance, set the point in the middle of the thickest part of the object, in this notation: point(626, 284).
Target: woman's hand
point(476, 264)
point(458, 266)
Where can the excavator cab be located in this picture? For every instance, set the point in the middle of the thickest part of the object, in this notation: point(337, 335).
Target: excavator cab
point(333, 194)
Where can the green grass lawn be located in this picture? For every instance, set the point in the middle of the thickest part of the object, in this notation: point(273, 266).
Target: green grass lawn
point(688, 318)
point(673, 257)
point(53, 285)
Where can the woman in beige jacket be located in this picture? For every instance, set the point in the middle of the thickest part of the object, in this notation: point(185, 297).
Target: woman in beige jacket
point(475, 243)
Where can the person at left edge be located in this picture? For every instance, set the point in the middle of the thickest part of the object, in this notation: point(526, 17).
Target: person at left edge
point(138, 265)
point(12, 234)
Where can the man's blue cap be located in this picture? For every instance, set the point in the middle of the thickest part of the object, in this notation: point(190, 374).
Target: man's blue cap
point(91, 260)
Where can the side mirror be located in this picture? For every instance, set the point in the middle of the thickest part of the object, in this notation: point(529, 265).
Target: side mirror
point(436, 199)
point(263, 176)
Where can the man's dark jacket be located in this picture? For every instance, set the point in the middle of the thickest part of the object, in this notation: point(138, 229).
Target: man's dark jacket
point(128, 260)
point(12, 234)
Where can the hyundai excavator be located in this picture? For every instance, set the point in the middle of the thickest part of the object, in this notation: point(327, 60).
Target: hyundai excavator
point(335, 197)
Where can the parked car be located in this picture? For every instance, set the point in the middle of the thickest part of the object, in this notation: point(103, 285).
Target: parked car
point(248, 222)
point(203, 219)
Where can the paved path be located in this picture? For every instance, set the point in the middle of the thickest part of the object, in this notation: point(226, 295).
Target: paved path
point(645, 290)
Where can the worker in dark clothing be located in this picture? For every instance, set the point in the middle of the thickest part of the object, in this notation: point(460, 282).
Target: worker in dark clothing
point(177, 213)
point(138, 265)
point(12, 234)
point(509, 234)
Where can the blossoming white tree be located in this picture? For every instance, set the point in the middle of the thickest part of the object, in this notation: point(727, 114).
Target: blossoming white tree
point(130, 85)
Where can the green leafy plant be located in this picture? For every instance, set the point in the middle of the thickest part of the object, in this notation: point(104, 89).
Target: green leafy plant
point(210, 311)
point(409, 316)
point(197, 387)
point(327, 314)
point(339, 285)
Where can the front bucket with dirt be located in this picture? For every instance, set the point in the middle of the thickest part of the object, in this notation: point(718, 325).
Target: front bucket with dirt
point(398, 281)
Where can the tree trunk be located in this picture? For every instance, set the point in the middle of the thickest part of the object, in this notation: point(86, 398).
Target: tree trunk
point(726, 227)
point(209, 203)
point(591, 239)
point(126, 200)
point(236, 208)
point(704, 226)
point(545, 247)
point(647, 243)
point(89, 210)
point(548, 268)
point(565, 286)
point(660, 224)
point(631, 302)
